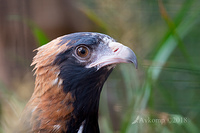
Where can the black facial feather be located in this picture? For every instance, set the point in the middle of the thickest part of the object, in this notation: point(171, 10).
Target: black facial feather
point(62, 57)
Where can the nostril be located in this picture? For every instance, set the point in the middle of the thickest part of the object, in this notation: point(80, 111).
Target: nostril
point(116, 49)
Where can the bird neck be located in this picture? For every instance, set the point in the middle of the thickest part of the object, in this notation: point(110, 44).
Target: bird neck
point(86, 89)
point(67, 101)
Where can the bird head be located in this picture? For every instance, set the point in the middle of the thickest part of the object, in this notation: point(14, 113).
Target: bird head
point(70, 72)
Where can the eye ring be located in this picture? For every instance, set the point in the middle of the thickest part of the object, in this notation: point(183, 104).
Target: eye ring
point(82, 52)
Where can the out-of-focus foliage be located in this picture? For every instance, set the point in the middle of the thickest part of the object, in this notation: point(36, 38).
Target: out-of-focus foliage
point(162, 95)
point(37, 32)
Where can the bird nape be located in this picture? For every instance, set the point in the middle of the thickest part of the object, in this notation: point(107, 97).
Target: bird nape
point(70, 72)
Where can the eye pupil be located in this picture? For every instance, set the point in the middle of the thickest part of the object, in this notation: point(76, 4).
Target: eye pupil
point(82, 51)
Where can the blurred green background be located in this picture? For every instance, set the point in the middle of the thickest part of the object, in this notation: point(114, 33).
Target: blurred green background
point(161, 96)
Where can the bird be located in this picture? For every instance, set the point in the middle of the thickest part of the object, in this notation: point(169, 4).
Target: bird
point(70, 72)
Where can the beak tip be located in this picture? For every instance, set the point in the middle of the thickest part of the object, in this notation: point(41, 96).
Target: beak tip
point(136, 66)
point(135, 63)
point(132, 57)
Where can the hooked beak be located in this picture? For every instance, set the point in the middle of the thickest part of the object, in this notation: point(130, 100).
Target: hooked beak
point(120, 54)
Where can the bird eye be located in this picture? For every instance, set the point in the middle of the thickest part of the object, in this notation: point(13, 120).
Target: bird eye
point(82, 51)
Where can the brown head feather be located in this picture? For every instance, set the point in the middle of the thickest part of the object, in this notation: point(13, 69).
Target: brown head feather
point(47, 107)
